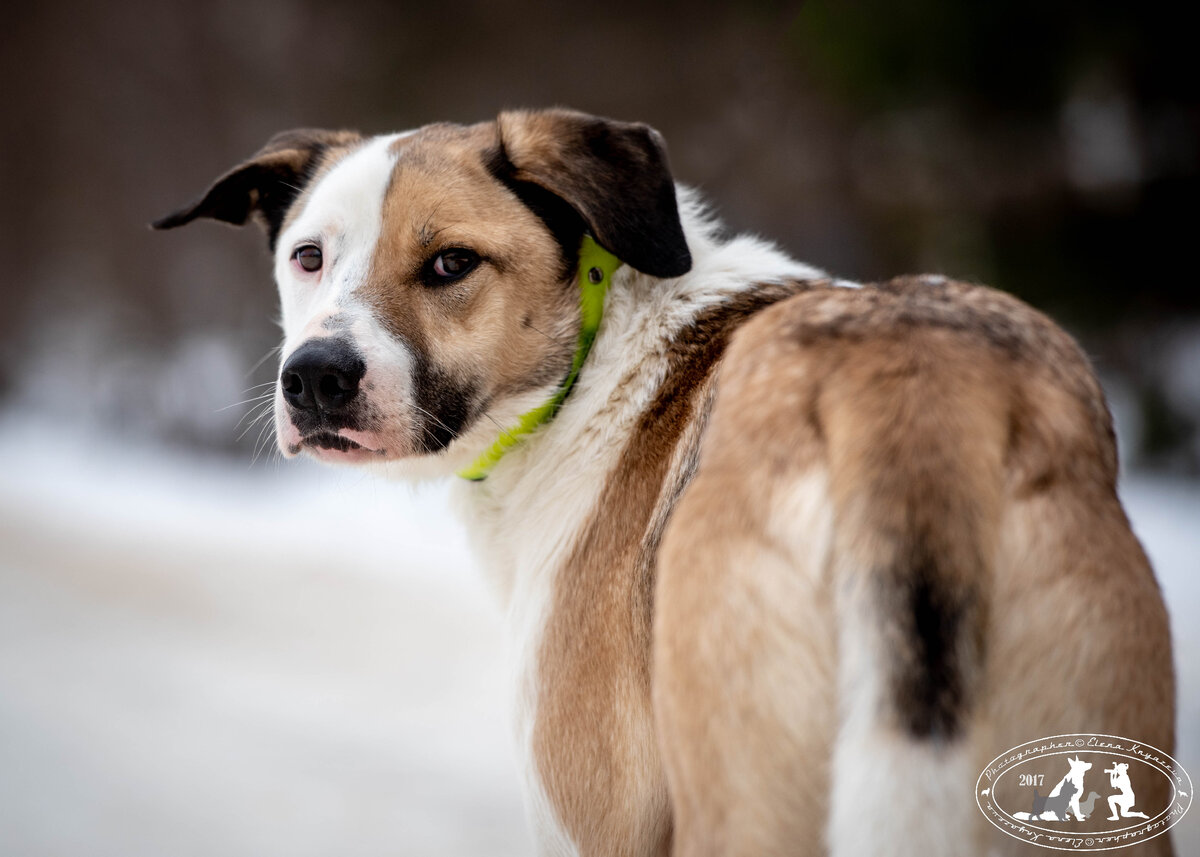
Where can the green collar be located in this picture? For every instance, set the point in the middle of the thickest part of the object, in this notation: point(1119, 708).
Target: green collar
point(596, 267)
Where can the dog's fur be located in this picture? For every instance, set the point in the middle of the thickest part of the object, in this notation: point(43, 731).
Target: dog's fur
point(787, 547)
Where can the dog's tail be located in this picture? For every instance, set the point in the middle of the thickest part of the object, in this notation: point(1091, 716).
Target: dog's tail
point(915, 450)
point(916, 477)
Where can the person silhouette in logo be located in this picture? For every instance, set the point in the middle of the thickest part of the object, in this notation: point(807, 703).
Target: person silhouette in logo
point(1118, 778)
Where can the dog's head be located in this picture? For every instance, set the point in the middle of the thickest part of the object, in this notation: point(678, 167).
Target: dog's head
point(428, 279)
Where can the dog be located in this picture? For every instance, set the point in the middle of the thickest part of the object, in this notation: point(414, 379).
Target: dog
point(766, 541)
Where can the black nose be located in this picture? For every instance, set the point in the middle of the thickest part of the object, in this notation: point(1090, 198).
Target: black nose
point(322, 374)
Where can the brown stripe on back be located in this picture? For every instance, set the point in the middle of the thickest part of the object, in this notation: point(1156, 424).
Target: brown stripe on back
point(594, 735)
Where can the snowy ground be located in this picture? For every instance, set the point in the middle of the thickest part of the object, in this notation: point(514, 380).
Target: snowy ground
point(194, 662)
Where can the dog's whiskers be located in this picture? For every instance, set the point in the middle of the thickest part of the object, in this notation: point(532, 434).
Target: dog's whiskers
point(549, 338)
point(433, 417)
point(257, 398)
point(259, 416)
point(263, 360)
point(426, 429)
point(504, 430)
point(266, 436)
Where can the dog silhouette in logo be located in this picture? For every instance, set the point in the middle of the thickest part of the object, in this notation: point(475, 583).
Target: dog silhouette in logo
point(1118, 778)
point(1059, 804)
point(1075, 777)
point(1089, 804)
point(1063, 799)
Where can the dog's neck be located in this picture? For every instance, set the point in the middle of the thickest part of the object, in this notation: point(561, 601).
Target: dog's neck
point(527, 512)
point(596, 268)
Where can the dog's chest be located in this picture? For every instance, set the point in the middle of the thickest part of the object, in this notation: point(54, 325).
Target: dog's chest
point(580, 623)
point(579, 637)
point(580, 616)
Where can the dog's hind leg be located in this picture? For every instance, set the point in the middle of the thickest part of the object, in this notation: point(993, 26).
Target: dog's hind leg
point(744, 676)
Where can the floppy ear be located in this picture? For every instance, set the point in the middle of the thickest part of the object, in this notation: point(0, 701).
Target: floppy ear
point(614, 175)
point(265, 185)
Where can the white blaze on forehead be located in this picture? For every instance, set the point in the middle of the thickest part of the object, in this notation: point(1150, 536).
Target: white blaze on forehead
point(343, 214)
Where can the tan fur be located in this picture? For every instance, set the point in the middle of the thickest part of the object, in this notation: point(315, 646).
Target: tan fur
point(914, 404)
point(594, 710)
point(516, 328)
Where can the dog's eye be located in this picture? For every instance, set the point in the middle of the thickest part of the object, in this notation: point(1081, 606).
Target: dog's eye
point(308, 257)
point(453, 264)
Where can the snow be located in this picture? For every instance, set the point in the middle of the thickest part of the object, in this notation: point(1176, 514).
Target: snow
point(201, 657)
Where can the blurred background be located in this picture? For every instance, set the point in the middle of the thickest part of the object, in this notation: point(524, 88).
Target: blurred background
point(191, 662)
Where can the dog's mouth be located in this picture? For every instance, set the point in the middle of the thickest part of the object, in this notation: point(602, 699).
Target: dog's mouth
point(331, 440)
point(336, 447)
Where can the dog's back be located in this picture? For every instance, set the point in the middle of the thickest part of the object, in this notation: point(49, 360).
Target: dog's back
point(905, 502)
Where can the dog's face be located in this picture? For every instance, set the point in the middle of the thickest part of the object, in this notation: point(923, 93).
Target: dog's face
point(428, 279)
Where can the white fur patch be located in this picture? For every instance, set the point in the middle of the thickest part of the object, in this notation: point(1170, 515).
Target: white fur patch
point(344, 216)
point(924, 813)
point(921, 813)
point(802, 521)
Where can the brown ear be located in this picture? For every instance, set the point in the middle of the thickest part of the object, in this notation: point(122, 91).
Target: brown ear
point(614, 175)
point(265, 185)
